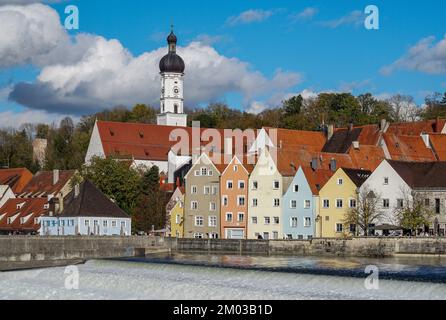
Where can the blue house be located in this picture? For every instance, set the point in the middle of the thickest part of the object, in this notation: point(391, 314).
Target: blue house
point(299, 205)
point(87, 211)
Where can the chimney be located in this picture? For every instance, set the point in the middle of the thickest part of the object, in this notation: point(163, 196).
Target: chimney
point(426, 140)
point(314, 164)
point(76, 190)
point(383, 125)
point(55, 176)
point(330, 131)
point(355, 145)
point(333, 165)
point(437, 128)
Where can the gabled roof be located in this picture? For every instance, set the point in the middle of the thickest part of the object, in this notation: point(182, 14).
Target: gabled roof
point(342, 138)
point(293, 139)
point(438, 142)
point(41, 185)
point(15, 178)
point(90, 202)
point(417, 128)
point(358, 177)
point(421, 174)
point(317, 178)
point(31, 208)
point(408, 148)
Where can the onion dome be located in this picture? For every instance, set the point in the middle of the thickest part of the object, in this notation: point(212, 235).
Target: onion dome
point(172, 62)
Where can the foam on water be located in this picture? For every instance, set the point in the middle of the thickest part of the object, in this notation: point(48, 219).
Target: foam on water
point(129, 280)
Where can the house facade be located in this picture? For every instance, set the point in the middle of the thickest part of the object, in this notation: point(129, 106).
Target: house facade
point(202, 200)
point(87, 211)
point(177, 219)
point(234, 200)
point(336, 197)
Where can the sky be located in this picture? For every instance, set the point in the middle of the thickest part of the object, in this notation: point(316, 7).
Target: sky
point(249, 54)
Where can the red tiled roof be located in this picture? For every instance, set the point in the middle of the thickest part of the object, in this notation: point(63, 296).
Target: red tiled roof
point(417, 128)
point(16, 179)
point(438, 142)
point(317, 178)
point(367, 157)
point(408, 148)
point(291, 139)
point(32, 208)
point(42, 185)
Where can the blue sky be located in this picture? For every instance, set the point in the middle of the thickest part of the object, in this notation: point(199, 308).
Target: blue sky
point(315, 45)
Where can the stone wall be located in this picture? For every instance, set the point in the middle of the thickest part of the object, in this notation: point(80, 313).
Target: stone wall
point(359, 247)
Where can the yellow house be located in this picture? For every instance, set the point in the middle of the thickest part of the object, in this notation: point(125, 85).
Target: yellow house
point(177, 219)
point(336, 197)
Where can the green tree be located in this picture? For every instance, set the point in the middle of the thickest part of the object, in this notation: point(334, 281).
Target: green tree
point(114, 178)
point(293, 105)
point(150, 210)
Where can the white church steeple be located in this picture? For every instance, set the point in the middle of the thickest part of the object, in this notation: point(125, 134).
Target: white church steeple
point(172, 72)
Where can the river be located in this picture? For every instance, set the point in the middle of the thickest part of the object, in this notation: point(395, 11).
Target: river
point(201, 277)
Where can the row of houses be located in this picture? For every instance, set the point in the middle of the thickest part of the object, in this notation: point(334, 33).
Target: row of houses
point(270, 201)
point(47, 204)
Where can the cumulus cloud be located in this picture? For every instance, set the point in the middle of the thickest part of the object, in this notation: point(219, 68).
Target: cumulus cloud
point(306, 14)
point(250, 16)
point(354, 85)
point(10, 119)
point(355, 18)
point(426, 56)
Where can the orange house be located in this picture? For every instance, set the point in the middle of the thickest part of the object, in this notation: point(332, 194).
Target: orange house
point(234, 199)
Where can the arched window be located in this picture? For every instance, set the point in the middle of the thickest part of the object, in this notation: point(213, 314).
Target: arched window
point(175, 108)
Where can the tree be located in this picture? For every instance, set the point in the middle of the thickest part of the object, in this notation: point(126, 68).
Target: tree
point(413, 214)
point(150, 210)
point(404, 108)
point(366, 212)
point(293, 105)
point(435, 106)
point(114, 178)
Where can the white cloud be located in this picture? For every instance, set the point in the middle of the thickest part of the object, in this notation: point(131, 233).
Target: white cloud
point(28, 33)
point(208, 39)
point(250, 16)
point(257, 107)
point(426, 56)
point(306, 14)
point(355, 18)
point(354, 85)
point(21, 2)
point(12, 119)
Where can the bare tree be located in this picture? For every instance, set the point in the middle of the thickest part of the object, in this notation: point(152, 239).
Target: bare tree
point(413, 213)
point(404, 108)
point(366, 212)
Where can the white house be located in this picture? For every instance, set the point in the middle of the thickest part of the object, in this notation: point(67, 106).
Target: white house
point(5, 194)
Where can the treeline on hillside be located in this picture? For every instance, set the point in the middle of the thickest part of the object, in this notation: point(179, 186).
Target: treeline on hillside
point(68, 142)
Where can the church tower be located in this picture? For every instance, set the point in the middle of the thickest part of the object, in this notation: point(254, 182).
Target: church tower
point(172, 73)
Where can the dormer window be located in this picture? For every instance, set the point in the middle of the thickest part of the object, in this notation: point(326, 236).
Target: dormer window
point(141, 134)
point(112, 133)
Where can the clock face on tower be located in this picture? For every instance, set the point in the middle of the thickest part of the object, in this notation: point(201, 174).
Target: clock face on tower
point(176, 90)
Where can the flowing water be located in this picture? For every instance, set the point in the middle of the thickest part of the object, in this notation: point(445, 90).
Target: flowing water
point(201, 277)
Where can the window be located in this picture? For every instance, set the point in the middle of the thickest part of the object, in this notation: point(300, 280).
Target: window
point(326, 203)
point(193, 190)
point(194, 205)
point(204, 171)
point(87, 223)
point(197, 173)
point(235, 168)
point(241, 184)
point(104, 223)
point(340, 181)
point(210, 173)
point(293, 222)
point(327, 218)
point(352, 203)
point(229, 184)
point(437, 206)
point(386, 203)
point(293, 204)
point(113, 223)
point(386, 180)
point(275, 235)
point(241, 201)
point(212, 221)
point(225, 201)
point(254, 220)
point(229, 217)
point(198, 235)
point(212, 206)
point(254, 202)
point(177, 219)
point(214, 190)
point(307, 204)
point(207, 190)
point(339, 227)
point(213, 235)
point(267, 220)
point(276, 184)
point(276, 202)
point(122, 224)
point(255, 185)
point(95, 223)
point(296, 188)
point(199, 221)
point(276, 220)
point(240, 217)
point(307, 222)
point(353, 228)
point(339, 203)
point(427, 202)
point(399, 203)
point(266, 235)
